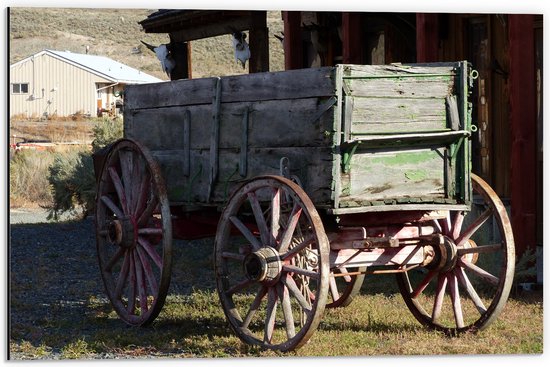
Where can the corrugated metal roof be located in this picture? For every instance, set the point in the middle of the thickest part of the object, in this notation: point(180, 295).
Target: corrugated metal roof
point(106, 67)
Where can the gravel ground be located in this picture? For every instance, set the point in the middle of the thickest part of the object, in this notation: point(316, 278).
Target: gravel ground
point(53, 273)
point(55, 279)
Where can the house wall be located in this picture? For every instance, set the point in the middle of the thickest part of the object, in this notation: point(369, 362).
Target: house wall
point(57, 86)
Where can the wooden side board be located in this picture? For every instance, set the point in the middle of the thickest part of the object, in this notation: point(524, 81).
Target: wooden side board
point(275, 123)
point(292, 84)
point(312, 165)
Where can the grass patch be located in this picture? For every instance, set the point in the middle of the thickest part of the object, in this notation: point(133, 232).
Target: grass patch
point(76, 350)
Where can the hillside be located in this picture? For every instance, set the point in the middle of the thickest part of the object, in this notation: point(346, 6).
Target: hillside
point(115, 33)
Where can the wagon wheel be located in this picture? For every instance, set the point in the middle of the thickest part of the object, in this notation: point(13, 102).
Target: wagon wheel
point(344, 285)
point(474, 273)
point(134, 233)
point(273, 280)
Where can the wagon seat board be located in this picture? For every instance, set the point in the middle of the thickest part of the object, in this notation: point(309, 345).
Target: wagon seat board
point(358, 138)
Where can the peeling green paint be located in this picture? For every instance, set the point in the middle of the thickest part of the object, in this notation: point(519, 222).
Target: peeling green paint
point(399, 159)
point(419, 175)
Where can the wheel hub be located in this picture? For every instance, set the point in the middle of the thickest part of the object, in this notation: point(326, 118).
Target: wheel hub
point(445, 255)
point(263, 265)
point(121, 232)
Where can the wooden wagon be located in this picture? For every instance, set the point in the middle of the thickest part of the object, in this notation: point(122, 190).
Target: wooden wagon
point(309, 179)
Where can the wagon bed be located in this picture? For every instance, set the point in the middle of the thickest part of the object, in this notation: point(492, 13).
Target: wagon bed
point(340, 128)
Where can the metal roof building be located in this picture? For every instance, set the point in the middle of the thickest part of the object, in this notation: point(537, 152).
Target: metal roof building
point(63, 83)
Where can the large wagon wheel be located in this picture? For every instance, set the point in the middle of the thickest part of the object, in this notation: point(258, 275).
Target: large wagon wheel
point(272, 280)
point(475, 273)
point(134, 233)
point(344, 285)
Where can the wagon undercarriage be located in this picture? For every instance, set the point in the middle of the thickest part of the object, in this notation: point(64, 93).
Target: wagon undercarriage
point(289, 243)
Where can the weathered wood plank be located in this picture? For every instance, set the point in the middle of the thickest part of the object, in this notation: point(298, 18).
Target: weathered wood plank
point(283, 123)
point(403, 87)
point(386, 115)
point(312, 165)
point(184, 92)
point(355, 71)
point(382, 175)
point(291, 84)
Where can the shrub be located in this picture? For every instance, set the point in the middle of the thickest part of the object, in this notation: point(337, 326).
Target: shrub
point(105, 132)
point(72, 183)
point(29, 178)
point(72, 177)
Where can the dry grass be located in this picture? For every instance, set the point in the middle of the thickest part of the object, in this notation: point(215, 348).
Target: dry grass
point(29, 184)
point(54, 130)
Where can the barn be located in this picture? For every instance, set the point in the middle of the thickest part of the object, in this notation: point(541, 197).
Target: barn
point(64, 83)
point(505, 49)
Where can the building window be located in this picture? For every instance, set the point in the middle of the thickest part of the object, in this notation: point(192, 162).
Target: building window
point(20, 88)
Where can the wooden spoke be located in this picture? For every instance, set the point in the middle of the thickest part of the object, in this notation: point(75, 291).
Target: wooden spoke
point(115, 209)
point(420, 288)
point(137, 187)
point(245, 232)
point(465, 283)
point(445, 224)
point(297, 270)
point(479, 249)
point(147, 212)
point(275, 215)
point(140, 282)
point(132, 286)
point(465, 236)
point(148, 270)
point(150, 251)
point(333, 289)
point(457, 224)
point(287, 310)
point(347, 277)
point(296, 293)
point(239, 287)
point(126, 167)
point(296, 249)
point(455, 298)
point(120, 252)
point(490, 278)
point(289, 231)
point(156, 231)
point(440, 295)
point(270, 314)
point(254, 307)
point(143, 193)
point(233, 256)
point(260, 219)
point(119, 189)
point(121, 281)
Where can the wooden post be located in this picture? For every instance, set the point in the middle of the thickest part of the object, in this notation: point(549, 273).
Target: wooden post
point(351, 38)
point(427, 37)
point(523, 124)
point(293, 40)
point(259, 43)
